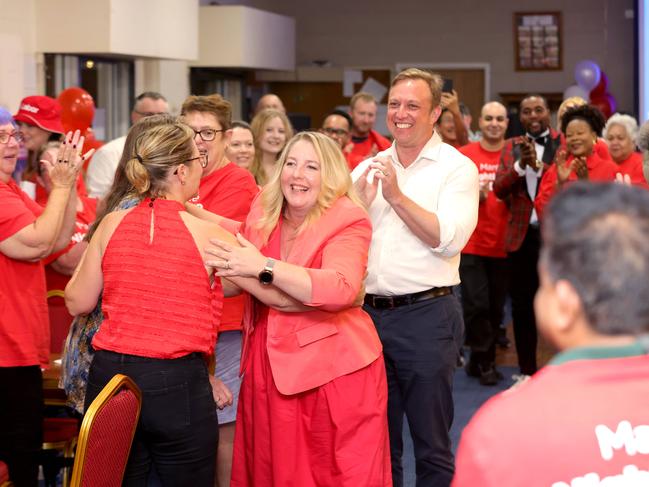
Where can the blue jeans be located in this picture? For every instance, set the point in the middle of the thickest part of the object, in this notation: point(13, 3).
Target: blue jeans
point(178, 429)
point(420, 347)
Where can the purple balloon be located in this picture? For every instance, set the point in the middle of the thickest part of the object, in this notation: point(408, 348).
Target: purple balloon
point(587, 74)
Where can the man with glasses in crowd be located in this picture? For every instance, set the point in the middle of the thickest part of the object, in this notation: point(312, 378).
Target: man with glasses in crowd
point(101, 170)
point(338, 126)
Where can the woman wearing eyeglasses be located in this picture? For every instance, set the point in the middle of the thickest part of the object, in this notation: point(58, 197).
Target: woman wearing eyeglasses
point(28, 232)
point(271, 129)
point(161, 309)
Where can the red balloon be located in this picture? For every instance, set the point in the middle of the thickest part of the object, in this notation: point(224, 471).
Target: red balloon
point(601, 88)
point(606, 103)
point(78, 109)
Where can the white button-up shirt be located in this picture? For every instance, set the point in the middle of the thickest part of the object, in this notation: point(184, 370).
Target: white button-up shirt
point(442, 181)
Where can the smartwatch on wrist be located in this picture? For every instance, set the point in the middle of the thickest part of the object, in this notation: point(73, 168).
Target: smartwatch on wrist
point(266, 275)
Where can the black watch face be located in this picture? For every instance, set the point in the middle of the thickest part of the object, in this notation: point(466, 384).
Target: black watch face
point(265, 277)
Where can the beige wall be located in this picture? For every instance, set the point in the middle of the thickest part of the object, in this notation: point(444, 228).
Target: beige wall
point(20, 68)
point(385, 32)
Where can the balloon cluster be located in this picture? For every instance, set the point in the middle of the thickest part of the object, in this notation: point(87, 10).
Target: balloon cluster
point(592, 84)
point(77, 113)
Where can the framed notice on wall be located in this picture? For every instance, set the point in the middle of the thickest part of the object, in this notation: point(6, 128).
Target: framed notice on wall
point(537, 41)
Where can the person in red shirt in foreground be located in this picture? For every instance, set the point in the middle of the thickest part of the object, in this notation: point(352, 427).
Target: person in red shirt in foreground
point(483, 267)
point(590, 403)
point(581, 126)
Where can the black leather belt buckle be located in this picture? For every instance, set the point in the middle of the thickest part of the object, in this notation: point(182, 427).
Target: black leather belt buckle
point(382, 302)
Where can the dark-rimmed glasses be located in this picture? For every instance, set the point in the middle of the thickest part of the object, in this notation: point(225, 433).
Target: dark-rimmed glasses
point(202, 159)
point(207, 135)
point(5, 136)
point(334, 131)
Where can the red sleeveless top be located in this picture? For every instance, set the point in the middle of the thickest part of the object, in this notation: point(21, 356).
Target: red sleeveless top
point(157, 299)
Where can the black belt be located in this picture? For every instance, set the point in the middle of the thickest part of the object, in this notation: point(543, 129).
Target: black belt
point(389, 302)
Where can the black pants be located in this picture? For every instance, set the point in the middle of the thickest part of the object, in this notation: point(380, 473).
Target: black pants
point(484, 288)
point(420, 346)
point(178, 428)
point(21, 422)
point(524, 282)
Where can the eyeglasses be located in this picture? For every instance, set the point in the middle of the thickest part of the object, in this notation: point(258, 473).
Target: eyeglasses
point(207, 135)
point(333, 131)
point(202, 159)
point(149, 114)
point(5, 136)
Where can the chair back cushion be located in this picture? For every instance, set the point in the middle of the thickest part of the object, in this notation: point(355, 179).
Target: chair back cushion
point(106, 441)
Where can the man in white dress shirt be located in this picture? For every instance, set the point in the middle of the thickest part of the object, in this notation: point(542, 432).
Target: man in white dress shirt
point(422, 197)
point(101, 170)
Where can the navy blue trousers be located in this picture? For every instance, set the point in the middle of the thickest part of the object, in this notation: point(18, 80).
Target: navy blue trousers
point(420, 345)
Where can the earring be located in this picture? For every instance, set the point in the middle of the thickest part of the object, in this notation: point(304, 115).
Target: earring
point(183, 183)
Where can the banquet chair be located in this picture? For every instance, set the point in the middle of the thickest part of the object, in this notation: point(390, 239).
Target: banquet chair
point(59, 435)
point(60, 319)
point(107, 434)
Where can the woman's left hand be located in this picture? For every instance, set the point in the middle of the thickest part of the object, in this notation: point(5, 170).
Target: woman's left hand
point(232, 261)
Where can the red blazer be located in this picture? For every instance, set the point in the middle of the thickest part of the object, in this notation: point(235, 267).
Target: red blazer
point(512, 189)
point(311, 348)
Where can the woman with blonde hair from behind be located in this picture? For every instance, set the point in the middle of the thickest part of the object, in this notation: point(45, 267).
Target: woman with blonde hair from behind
point(313, 401)
point(157, 329)
point(271, 130)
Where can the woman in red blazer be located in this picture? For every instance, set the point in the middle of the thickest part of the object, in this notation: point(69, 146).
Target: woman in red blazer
point(313, 399)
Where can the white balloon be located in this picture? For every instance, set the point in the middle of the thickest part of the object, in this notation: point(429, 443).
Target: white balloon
point(575, 90)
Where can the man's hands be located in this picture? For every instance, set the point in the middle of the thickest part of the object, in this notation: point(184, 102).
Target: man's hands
point(367, 185)
point(528, 154)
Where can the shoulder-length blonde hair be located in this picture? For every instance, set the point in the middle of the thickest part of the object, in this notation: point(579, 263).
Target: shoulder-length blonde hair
point(335, 182)
point(257, 126)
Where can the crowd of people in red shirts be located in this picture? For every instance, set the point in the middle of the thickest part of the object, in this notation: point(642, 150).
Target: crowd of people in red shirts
point(247, 199)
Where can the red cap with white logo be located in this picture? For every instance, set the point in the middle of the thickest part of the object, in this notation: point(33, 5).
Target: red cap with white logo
point(42, 111)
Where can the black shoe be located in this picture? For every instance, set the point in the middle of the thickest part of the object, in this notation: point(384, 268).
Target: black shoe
point(489, 375)
point(472, 369)
point(501, 340)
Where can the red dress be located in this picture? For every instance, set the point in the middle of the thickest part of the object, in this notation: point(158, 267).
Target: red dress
point(335, 434)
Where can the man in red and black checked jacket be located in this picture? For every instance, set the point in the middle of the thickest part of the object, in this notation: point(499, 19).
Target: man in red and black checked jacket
point(523, 162)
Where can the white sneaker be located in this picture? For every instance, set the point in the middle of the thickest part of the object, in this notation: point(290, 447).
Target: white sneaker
point(519, 379)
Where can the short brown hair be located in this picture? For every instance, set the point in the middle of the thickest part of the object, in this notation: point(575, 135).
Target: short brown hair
point(363, 96)
point(433, 80)
point(214, 104)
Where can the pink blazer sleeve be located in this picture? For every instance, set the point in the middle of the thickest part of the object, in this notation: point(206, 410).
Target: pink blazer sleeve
point(336, 284)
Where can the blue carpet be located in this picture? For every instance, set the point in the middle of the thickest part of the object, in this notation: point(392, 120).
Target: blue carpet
point(469, 395)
